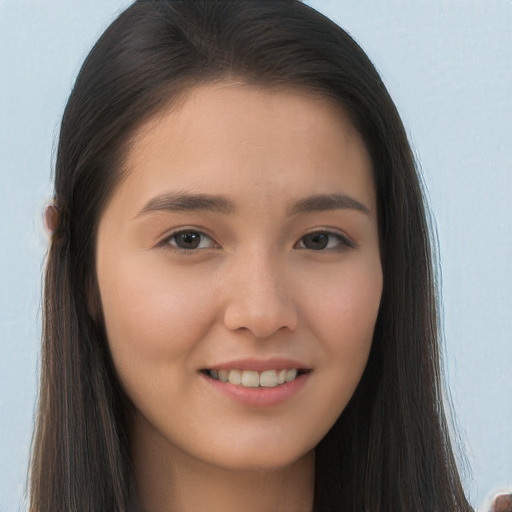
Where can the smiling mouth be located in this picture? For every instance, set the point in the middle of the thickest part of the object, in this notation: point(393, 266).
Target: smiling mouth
point(255, 379)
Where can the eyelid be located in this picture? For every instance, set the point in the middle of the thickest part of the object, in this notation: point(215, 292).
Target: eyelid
point(164, 242)
point(344, 239)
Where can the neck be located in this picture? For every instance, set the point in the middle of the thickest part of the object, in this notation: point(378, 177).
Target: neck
point(171, 481)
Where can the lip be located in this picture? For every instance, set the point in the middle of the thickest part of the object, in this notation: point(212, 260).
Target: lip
point(259, 397)
point(260, 365)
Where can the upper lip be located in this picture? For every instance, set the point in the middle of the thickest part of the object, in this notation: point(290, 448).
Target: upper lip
point(259, 365)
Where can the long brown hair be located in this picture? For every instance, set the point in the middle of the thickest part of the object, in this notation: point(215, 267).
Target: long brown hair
point(390, 449)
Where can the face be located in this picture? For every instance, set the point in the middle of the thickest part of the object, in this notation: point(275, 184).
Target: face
point(241, 247)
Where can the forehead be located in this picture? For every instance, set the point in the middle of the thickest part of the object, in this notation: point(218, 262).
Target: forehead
point(228, 137)
point(239, 105)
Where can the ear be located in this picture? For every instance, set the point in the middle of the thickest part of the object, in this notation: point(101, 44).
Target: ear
point(52, 218)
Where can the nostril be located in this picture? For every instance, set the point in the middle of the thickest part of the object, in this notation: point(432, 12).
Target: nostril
point(262, 318)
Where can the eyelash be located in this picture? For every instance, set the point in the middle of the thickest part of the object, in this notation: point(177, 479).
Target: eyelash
point(343, 241)
point(166, 242)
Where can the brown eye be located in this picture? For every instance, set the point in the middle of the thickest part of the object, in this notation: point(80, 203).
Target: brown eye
point(321, 240)
point(315, 241)
point(190, 240)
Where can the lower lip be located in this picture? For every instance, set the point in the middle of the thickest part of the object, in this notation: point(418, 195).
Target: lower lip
point(260, 396)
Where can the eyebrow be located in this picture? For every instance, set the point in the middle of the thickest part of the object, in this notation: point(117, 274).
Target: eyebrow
point(323, 202)
point(184, 201)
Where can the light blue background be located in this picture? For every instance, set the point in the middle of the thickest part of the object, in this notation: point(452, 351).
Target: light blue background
point(448, 66)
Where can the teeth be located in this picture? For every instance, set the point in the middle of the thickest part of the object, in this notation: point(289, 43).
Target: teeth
point(250, 379)
point(268, 379)
point(290, 375)
point(235, 377)
point(254, 379)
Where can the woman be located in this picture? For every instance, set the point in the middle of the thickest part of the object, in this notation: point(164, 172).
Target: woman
point(239, 302)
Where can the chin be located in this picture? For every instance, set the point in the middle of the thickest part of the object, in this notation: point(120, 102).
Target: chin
point(260, 460)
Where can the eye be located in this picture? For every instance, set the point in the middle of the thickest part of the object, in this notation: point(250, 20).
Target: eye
point(322, 240)
point(189, 239)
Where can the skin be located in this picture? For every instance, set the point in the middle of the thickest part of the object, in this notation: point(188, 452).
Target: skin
point(252, 289)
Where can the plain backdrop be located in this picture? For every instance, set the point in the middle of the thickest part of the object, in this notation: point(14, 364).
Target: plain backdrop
point(447, 64)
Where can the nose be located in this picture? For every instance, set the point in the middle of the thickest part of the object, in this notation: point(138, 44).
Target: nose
point(260, 298)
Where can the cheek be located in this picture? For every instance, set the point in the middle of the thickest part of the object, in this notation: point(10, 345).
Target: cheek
point(345, 312)
point(152, 316)
point(346, 302)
